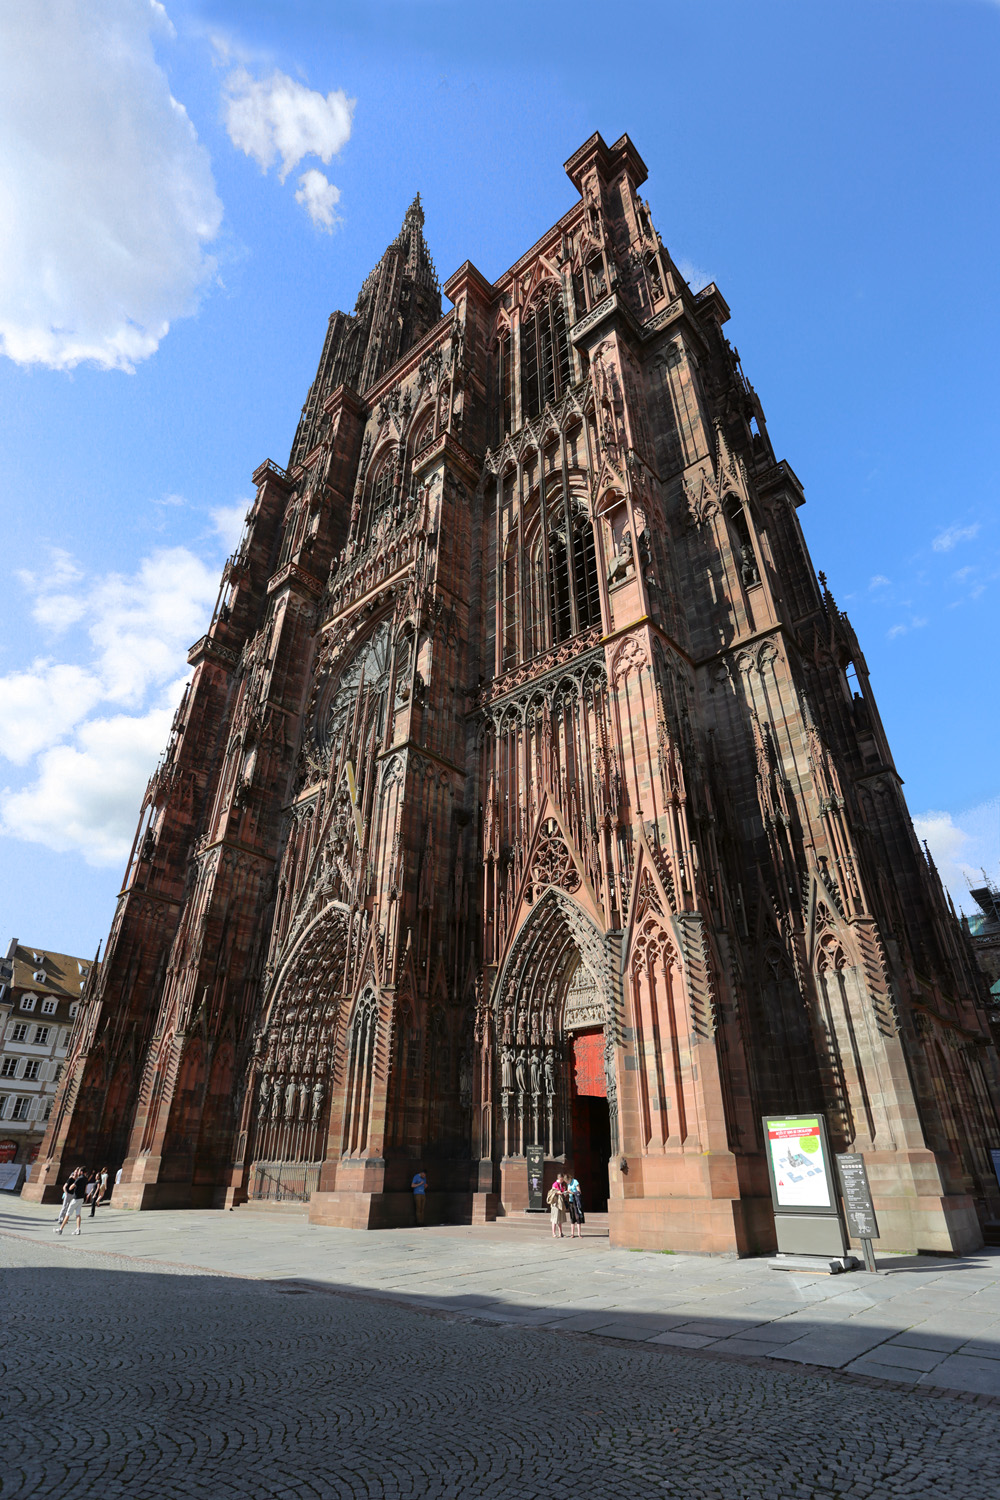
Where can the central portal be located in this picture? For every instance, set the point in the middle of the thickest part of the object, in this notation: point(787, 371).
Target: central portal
point(550, 1064)
point(589, 1146)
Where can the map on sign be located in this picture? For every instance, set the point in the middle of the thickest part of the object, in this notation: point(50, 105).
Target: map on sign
point(800, 1174)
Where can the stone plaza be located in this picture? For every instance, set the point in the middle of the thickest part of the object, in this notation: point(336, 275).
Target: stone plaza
point(459, 1361)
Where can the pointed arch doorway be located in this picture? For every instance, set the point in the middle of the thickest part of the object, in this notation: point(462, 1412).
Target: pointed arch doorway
point(553, 1057)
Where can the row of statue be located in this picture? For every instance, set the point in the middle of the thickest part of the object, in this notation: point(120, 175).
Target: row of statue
point(528, 1070)
point(291, 1100)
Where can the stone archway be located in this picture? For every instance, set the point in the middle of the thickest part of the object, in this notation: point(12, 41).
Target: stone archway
point(553, 1047)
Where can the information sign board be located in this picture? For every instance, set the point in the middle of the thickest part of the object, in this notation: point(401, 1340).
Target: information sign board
point(536, 1178)
point(861, 1220)
point(798, 1160)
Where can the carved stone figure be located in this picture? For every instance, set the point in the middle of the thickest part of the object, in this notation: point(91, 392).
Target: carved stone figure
point(507, 1067)
point(550, 1073)
point(318, 1095)
point(520, 1071)
point(536, 1071)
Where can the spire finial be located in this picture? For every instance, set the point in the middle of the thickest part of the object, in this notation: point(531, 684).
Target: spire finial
point(415, 213)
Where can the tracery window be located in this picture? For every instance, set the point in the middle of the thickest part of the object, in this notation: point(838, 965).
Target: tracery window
point(546, 370)
point(381, 485)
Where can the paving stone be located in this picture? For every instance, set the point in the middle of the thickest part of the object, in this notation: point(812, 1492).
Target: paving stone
point(962, 1372)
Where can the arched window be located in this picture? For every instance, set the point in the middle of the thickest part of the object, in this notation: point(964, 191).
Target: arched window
point(546, 369)
point(588, 592)
point(423, 432)
point(505, 386)
point(381, 486)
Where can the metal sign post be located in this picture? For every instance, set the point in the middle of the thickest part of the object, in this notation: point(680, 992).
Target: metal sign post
point(861, 1220)
point(536, 1179)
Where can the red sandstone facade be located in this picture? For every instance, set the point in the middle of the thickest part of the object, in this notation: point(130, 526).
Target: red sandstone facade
point(530, 790)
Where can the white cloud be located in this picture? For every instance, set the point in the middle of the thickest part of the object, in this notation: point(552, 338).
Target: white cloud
point(228, 520)
point(271, 117)
point(42, 705)
point(693, 275)
point(319, 198)
point(93, 758)
point(963, 845)
point(879, 582)
point(946, 540)
point(903, 628)
point(86, 796)
point(107, 199)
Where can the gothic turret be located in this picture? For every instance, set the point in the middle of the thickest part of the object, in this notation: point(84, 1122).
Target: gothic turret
point(399, 301)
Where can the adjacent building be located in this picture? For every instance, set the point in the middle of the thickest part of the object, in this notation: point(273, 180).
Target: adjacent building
point(39, 999)
point(530, 791)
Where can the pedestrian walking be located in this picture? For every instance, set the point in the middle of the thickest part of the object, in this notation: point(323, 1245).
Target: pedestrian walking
point(556, 1200)
point(77, 1190)
point(574, 1202)
point(105, 1192)
point(419, 1186)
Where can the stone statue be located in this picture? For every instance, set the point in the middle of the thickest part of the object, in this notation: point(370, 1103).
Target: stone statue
point(263, 1089)
point(276, 1098)
point(290, 1099)
point(507, 1067)
point(748, 566)
point(536, 1071)
point(550, 1073)
point(520, 1071)
point(303, 1100)
point(317, 1101)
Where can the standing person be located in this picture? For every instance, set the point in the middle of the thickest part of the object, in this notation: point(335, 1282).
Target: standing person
point(419, 1186)
point(63, 1207)
point(78, 1192)
point(556, 1200)
point(104, 1193)
point(93, 1190)
point(574, 1201)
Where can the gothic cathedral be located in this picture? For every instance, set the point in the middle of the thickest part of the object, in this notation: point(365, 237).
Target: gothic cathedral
point(529, 790)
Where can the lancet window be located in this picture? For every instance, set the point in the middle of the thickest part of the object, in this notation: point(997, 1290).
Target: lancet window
point(381, 485)
point(545, 360)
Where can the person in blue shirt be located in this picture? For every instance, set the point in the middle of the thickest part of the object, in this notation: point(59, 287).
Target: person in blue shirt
point(419, 1186)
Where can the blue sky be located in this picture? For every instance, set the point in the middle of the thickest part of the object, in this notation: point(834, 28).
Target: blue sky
point(167, 270)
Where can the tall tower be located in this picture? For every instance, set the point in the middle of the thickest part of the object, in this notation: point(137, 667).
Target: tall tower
point(530, 791)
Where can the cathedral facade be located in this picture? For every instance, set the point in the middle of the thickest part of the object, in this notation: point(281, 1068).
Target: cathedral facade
point(529, 790)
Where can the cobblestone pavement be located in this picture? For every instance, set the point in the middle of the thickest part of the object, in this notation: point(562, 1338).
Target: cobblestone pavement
point(926, 1320)
point(147, 1382)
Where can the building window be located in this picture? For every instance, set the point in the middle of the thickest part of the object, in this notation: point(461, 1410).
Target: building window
point(545, 361)
point(42, 1035)
point(19, 1033)
point(382, 486)
point(49, 1007)
point(58, 1073)
point(73, 1009)
point(28, 1002)
point(505, 387)
point(31, 1069)
point(3, 1105)
point(48, 1110)
point(22, 1104)
point(9, 1068)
